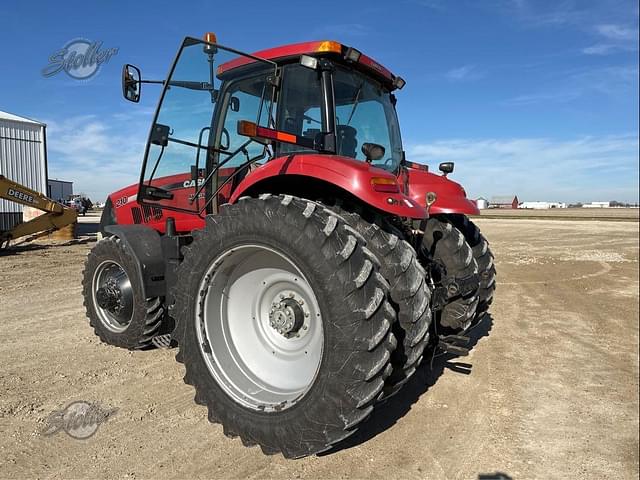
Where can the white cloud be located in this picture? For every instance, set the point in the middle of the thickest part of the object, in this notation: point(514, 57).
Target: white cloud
point(532, 14)
point(619, 82)
point(617, 38)
point(534, 98)
point(600, 49)
point(96, 153)
point(606, 19)
point(582, 169)
point(464, 73)
point(617, 32)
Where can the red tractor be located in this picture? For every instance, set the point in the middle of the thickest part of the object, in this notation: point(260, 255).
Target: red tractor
point(283, 240)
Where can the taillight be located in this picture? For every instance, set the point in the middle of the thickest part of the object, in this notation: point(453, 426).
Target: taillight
point(386, 185)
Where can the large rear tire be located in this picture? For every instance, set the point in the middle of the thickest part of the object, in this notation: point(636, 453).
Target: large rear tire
point(283, 324)
point(484, 258)
point(114, 300)
point(410, 295)
point(450, 256)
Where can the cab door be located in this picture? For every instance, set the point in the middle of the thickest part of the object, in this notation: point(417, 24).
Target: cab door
point(242, 99)
point(187, 144)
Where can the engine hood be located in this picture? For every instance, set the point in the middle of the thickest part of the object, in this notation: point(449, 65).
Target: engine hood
point(450, 196)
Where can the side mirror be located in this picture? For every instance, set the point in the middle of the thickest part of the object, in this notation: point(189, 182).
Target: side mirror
point(446, 168)
point(131, 83)
point(372, 151)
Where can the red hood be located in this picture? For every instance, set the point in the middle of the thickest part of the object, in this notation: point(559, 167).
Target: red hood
point(450, 196)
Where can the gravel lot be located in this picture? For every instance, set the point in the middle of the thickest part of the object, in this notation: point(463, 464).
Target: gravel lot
point(550, 389)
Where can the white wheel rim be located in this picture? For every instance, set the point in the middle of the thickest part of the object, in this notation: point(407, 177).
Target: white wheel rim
point(259, 327)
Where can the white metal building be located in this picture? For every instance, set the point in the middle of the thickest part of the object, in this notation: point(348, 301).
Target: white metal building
point(542, 205)
point(59, 190)
point(597, 205)
point(23, 159)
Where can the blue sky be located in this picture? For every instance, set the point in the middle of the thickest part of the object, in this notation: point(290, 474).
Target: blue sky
point(537, 98)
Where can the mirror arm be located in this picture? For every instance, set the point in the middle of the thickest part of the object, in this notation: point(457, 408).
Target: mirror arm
point(185, 84)
point(151, 81)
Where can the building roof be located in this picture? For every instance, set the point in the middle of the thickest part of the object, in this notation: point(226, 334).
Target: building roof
point(18, 118)
point(503, 199)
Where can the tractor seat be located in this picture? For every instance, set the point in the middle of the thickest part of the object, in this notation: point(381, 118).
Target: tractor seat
point(347, 141)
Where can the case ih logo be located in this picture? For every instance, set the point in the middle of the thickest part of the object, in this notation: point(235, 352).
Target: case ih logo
point(80, 59)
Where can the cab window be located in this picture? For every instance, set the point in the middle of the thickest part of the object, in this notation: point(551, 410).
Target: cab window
point(243, 100)
point(299, 106)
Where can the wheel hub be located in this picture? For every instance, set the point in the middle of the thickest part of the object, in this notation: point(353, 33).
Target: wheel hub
point(287, 316)
point(109, 297)
point(113, 296)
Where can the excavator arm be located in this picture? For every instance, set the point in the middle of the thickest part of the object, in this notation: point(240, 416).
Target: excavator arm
point(56, 216)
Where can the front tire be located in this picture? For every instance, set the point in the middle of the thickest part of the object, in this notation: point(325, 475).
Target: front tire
point(484, 258)
point(114, 300)
point(251, 281)
point(450, 257)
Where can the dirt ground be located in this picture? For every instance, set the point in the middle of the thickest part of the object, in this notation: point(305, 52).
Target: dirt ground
point(550, 389)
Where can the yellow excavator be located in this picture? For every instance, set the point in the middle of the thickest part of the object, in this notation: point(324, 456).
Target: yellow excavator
point(56, 215)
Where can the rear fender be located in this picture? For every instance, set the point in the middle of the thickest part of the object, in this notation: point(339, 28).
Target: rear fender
point(347, 174)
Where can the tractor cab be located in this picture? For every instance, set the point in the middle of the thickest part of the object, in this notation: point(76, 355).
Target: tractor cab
point(223, 114)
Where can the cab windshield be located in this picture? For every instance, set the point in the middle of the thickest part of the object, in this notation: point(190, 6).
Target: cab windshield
point(363, 108)
point(365, 114)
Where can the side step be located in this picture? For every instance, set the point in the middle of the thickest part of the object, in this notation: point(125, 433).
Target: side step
point(162, 341)
point(451, 344)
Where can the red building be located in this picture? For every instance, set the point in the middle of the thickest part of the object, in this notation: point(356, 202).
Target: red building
point(510, 201)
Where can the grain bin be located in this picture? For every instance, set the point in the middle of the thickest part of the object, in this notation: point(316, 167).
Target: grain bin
point(482, 203)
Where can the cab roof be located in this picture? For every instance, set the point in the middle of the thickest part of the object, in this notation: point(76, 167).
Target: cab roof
point(314, 48)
